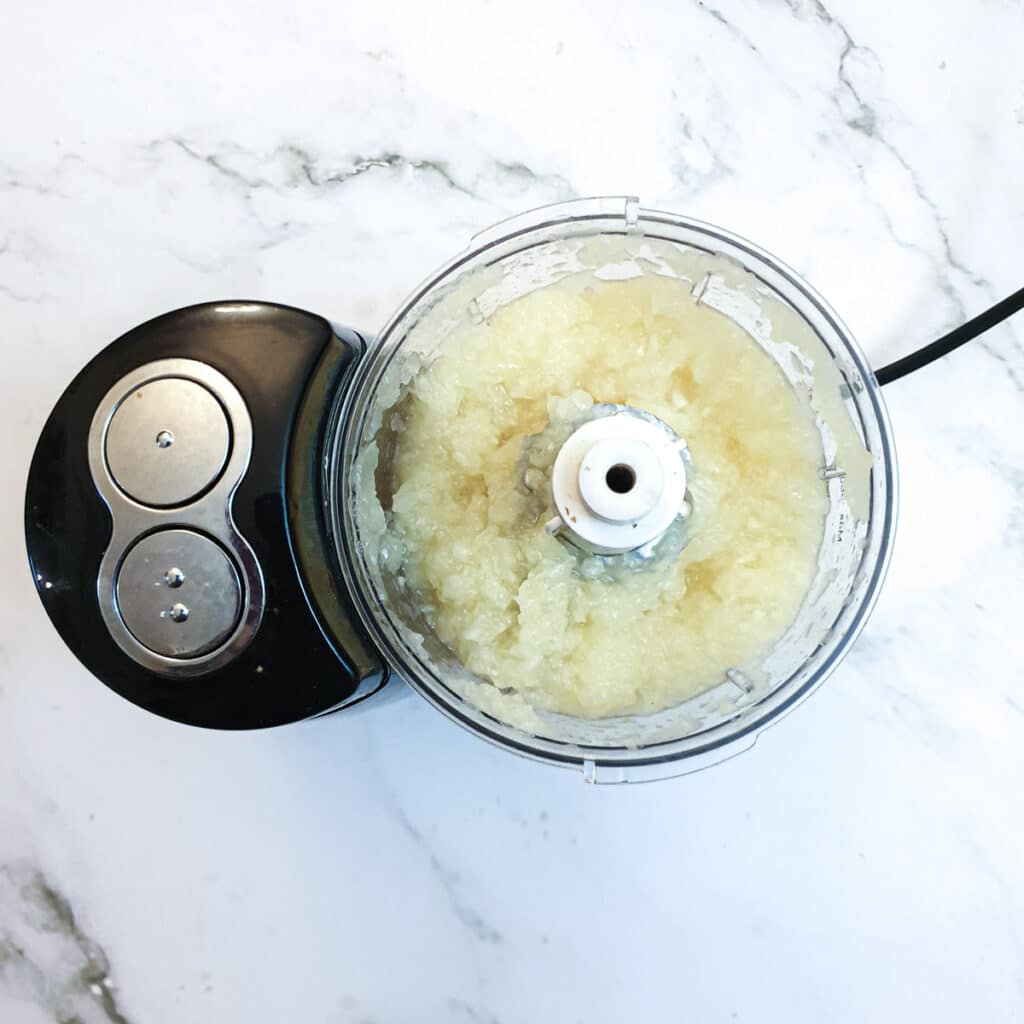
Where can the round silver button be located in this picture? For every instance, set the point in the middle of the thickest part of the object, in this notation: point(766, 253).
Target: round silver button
point(167, 441)
point(178, 593)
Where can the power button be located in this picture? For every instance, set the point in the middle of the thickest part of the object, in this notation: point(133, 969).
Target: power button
point(179, 594)
point(167, 442)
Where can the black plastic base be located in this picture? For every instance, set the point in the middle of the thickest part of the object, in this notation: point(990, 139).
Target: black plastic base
point(290, 670)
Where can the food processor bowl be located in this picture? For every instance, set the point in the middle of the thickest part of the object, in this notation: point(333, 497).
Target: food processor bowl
point(614, 238)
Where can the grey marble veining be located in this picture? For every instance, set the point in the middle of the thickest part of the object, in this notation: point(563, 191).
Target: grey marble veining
point(46, 959)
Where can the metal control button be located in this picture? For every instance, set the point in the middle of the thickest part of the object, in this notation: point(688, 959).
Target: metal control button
point(167, 441)
point(178, 593)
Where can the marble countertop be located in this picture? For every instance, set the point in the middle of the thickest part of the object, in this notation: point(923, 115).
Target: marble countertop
point(865, 861)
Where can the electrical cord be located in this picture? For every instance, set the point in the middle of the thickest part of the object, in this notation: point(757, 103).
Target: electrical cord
point(948, 342)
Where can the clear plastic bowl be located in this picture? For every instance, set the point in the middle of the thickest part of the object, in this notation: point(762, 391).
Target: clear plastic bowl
point(812, 347)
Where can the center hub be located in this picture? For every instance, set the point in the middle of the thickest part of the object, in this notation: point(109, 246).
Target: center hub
point(618, 482)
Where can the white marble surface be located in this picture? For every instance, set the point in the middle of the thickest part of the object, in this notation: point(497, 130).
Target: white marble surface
point(865, 862)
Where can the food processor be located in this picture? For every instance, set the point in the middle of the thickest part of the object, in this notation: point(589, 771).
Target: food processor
point(205, 504)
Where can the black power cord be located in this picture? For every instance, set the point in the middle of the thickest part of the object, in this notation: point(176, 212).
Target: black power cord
point(956, 337)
